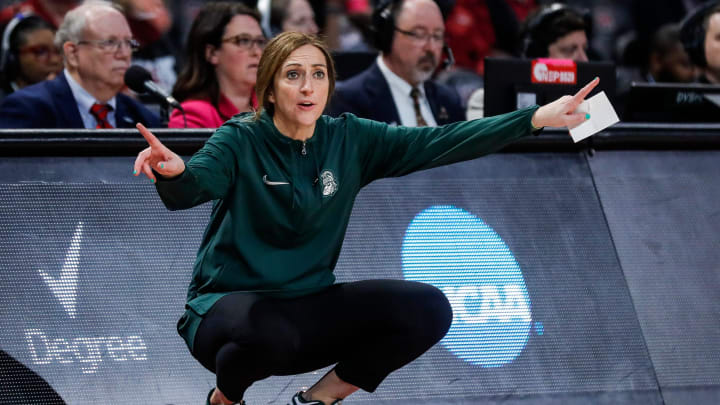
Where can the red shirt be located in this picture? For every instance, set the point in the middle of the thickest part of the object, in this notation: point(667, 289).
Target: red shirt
point(202, 114)
point(27, 7)
point(470, 32)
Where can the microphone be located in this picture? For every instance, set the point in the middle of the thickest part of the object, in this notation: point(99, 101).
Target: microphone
point(140, 81)
point(450, 60)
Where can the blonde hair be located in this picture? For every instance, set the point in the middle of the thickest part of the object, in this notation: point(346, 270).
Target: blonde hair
point(272, 59)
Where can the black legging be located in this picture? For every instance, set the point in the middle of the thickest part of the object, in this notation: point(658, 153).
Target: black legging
point(369, 328)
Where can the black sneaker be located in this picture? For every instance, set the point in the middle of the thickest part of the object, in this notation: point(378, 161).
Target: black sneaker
point(299, 400)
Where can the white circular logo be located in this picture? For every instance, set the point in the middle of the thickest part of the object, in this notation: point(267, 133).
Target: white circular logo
point(540, 72)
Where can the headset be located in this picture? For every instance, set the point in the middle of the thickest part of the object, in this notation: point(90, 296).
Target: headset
point(534, 41)
point(9, 63)
point(692, 32)
point(383, 24)
point(383, 27)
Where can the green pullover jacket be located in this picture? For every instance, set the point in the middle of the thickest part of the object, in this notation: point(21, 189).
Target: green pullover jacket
point(282, 206)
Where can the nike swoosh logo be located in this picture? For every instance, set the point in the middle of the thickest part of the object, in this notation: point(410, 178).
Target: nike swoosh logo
point(65, 286)
point(274, 183)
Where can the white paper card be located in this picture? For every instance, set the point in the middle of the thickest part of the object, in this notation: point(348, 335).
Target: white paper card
point(602, 115)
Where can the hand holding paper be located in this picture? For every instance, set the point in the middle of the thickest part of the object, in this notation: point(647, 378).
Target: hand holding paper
point(602, 115)
point(567, 112)
point(562, 112)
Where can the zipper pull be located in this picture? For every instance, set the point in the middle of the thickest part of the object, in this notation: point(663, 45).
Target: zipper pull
point(303, 151)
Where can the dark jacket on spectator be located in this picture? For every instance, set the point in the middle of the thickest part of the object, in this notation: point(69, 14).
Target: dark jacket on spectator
point(368, 95)
point(50, 104)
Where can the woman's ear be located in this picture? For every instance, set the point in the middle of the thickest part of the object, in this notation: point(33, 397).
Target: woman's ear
point(211, 54)
point(271, 97)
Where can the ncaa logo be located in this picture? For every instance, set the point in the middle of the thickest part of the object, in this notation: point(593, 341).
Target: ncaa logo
point(458, 253)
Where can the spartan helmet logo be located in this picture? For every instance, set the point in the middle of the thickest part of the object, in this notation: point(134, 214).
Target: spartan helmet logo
point(329, 185)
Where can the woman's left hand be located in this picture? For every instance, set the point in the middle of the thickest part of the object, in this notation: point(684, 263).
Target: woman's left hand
point(561, 112)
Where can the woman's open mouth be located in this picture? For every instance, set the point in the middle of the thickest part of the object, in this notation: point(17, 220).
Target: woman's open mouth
point(306, 105)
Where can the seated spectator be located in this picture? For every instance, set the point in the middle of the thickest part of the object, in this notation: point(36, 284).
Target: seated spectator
point(218, 80)
point(397, 88)
point(150, 22)
point(646, 18)
point(556, 31)
point(28, 54)
point(480, 28)
point(668, 61)
point(97, 44)
point(51, 11)
point(184, 12)
point(292, 15)
point(553, 31)
point(348, 25)
point(700, 34)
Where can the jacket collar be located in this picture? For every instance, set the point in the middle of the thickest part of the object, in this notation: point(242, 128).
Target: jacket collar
point(68, 116)
point(431, 96)
point(378, 90)
point(271, 132)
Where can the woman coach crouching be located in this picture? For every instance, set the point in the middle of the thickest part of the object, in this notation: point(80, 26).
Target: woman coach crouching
point(262, 300)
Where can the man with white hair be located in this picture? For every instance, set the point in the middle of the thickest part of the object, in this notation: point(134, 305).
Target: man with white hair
point(97, 45)
point(397, 89)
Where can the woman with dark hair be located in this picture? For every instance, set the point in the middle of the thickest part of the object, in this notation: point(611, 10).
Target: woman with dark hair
point(217, 82)
point(292, 15)
point(28, 55)
point(263, 299)
point(556, 31)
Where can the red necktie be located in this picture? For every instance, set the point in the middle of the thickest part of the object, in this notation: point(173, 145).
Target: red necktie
point(100, 112)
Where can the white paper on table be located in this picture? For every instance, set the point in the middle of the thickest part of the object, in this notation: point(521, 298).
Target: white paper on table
point(602, 115)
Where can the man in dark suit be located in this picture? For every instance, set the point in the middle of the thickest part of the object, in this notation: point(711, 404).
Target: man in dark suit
point(97, 45)
point(397, 88)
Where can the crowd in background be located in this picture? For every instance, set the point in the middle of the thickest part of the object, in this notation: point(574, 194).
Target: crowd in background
point(184, 46)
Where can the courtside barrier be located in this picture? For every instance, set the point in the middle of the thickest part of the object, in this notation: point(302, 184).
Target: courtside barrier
point(578, 273)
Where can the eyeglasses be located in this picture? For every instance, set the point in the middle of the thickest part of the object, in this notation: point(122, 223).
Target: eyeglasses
point(421, 35)
point(43, 52)
point(113, 45)
point(246, 41)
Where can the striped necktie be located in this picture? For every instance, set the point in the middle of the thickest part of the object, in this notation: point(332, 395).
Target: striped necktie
point(100, 112)
point(415, 94)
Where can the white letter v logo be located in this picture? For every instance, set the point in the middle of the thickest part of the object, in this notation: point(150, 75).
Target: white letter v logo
point(65, 286)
